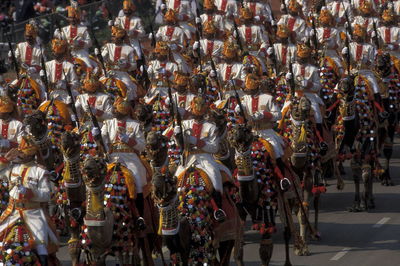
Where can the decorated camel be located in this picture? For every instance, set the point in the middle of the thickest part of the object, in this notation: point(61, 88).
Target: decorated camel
point(186, 222)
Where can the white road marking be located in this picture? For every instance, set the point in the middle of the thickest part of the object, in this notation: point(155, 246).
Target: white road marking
point(340, 254)
point(381, 222)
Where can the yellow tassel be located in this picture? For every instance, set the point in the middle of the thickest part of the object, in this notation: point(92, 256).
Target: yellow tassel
point(303, 134)
point(67, 173)
point(269, 148)
point(159, 231)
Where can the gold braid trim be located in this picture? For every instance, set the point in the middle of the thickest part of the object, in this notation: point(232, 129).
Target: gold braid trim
point(129, 179)
point(182, 179)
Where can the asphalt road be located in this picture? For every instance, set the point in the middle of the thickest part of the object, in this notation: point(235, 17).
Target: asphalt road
point(363, 238)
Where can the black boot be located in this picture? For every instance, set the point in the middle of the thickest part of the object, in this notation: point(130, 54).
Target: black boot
point(139, 202)
point(323, 146)
point(219, 214)
point(43, 260)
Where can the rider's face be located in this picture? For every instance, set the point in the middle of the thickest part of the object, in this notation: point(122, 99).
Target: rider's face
point(72, 21)
point(4, 116)
point(30, 39)
point(127, 11)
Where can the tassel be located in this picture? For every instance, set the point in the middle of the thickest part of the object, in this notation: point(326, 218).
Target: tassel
point(303, 134)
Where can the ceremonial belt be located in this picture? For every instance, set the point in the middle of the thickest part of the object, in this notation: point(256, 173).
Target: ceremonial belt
point(122, 148)
point(160, 83)
point(253, 47)
point(305, 91)
point(25, 205)
point(262, 125)
point(195, 151)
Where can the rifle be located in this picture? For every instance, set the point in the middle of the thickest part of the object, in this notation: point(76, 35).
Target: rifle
point(110, 16)
point(199, 34)
point(181, 139)
point(285, 9)
point(142, 62)
point(45, 80)
point(153, 38)
point(96, 124)
point(216, 75)
point(347, 43)
point(239, 42)
point(239, 102)
point(315, 40)
point(199, 50)
point(198, 25)
point(97, 46)
point(72, 99)
point(292, 83)
point(171, 104)
point(376, 39)
point(349, 28)
point(58, 25)
point(14, 59)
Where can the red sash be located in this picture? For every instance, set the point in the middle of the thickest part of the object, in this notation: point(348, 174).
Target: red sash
point(337, 8)
point(366, 22)
point(177, 4)
point(303, 71)
point(284, 54)
point(210, 47)
point(228, 72)
point(387, 35)
point(253, 8)
point(58, 71)
point(121, 124)
point(327, 33)
point(4, 130)
point(170, 32)
point(73, 31)
point(248, 34)
point(127, 23)
point(254, 104)
point(359, 49)
point(181, 98)
point(224, 3)
point(117, 53)
point(28, 55)
point(196, 130)
point(291, 23)
point(92, 101)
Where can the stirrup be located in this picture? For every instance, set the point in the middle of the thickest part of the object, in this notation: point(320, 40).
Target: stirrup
point(219, 215)
point(141, 224)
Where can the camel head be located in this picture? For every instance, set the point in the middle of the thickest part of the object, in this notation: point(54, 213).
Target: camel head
point(241, 138)
point(94, 171)
point(163, 187)
point(156, 148)
point(70, 143)
point(346, 86)
point(144, 113)
point(36, 124)
point(301, 109)
point(383, 64)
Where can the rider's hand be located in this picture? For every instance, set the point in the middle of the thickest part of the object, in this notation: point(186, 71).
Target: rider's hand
point(95, 131)
point(124, 138)
point(4, 143)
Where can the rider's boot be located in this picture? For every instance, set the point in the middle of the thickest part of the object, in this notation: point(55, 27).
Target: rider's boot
point(219, 214)
point(139, 202)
